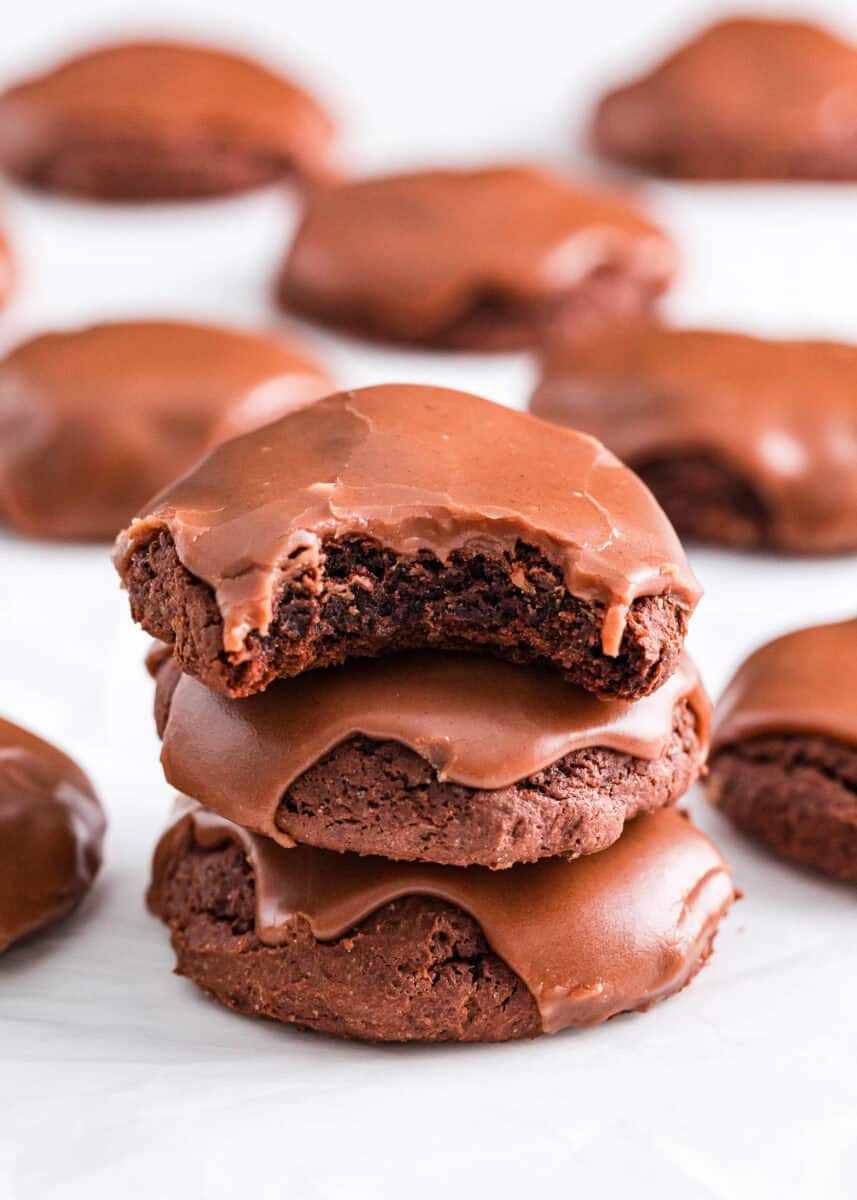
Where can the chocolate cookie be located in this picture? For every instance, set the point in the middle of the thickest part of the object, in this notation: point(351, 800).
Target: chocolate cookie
point(718, 425)
point(433, 757)
point(367, 948)
point(784, 763)
point(400, 517)
point(491, 259)
point(95, 421)
point(161, 121)
point(51, 830)
point(745, 99)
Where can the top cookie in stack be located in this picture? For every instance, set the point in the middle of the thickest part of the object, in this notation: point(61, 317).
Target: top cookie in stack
point(405, 517)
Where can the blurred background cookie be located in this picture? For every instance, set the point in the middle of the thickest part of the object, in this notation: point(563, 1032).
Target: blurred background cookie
point(161, 121)
point(94, 421)
point(490, 259)
point(748, 98)
point(745, 441)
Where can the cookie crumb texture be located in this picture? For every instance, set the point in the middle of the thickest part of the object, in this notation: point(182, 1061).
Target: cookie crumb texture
point(416, 970)
point(370, 601)
point(373, 797)
point(798, 795)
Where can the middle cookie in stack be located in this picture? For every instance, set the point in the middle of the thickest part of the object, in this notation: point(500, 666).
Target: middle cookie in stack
point(424, 522)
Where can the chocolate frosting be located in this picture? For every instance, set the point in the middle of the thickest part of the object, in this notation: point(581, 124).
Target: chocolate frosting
point(94, 421)
point(650, 391)
point(413, 253)
point(478, 722)
point(167, 94)
point(746, 98)
point(51, 830)
point(414, 467)
point(802, 683)
point(604, 934)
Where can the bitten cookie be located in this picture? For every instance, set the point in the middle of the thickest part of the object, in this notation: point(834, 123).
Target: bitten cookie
point(95, 421)
point(784, 758)
point(491, 259)
point(433, 757)
point(368, 948)
point(51, 830)
point(745, 99)
point(401, 517)
point(161, 121)
point(721, 428)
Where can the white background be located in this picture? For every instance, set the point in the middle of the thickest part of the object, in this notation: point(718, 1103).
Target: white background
point(118, 1079)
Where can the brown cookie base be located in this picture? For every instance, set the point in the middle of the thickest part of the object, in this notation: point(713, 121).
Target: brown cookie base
point(494, 323)
point(129, 170)
point(797, 794)
point(373, 601)
point(707, 501)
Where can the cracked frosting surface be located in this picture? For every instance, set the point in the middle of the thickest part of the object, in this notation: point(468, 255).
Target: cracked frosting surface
point(51, 830)
point(605, 934)
point(415, 468)
point(479, 722)
point(802, 683)
point(413, 253)
point(783, 414)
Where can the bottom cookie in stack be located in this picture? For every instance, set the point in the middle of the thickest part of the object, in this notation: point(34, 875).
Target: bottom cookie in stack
point(370, 948)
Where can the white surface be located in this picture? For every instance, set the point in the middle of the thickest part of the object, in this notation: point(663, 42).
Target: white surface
point(118, 1079)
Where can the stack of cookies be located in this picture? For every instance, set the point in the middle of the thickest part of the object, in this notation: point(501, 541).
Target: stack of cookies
point(499, 608)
